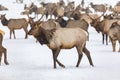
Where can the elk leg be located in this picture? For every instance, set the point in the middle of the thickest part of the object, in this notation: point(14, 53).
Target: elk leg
point(102, 38)
point(79, 56)
point(26, 33)
point(87, 53)
point(55, 55)
point(5, 57)
point(88, 36)
point(113, 45)
point(10, 33)
point(119, 47)
point(79, 59)
point(0, 57)
point(106, 39)
point(60, 64)
point(54, 60)
point(14, 34)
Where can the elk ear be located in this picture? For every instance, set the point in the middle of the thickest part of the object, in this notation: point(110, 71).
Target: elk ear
point(3, 15)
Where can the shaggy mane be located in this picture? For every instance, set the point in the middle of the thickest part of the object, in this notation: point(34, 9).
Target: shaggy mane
point(45, 35)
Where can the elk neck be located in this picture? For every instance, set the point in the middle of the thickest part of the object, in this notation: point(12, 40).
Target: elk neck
point(42, 39)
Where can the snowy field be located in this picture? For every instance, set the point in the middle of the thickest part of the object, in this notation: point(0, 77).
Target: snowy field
point(31, 61)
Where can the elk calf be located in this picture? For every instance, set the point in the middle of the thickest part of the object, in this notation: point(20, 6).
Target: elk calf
point(14, 24)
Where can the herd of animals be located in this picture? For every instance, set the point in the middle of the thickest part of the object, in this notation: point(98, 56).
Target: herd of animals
point(54, 32)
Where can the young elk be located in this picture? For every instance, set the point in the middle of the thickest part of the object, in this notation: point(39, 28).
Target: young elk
point(62, 38)
point(14, 24)
point(3, 50)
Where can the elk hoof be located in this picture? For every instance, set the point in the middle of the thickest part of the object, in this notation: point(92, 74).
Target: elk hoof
point(114, 51)
point(77, 65)
point(92, 65)
point(119, 50)
point(63, 66)
point(54, 67)
point(6, 63)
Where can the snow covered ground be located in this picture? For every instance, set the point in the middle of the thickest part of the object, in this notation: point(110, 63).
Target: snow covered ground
point(31, 61)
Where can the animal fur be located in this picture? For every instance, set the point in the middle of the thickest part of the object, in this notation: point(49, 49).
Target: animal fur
point(14, 24)
point(3, 50)
point(62, 38)
point(114, 34)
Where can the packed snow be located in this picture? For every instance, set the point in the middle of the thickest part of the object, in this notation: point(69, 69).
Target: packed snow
point(31, 61)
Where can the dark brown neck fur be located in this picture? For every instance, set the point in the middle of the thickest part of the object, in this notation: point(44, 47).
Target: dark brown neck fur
point(5, 22)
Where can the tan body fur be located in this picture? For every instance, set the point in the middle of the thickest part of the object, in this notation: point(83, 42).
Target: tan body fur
point(3, 50)
point(14, 24)
point(62, 38)
point(68, 38)
point(114, 34)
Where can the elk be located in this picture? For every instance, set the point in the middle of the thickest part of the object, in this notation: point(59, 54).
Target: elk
point(14, 24)
point(118, 3)
point(81, 23)
point(82, 3)
point(89, 17)
point(114, 34)
point(57, 39)
point(70, 6)
point(116, 9)
point(40, 10)
point(68, 10)
point(31, 8)
point(3, 50)
point(55, 9)
point(58, 10)
point(49, 8)
point(17, 1)
point(31, 19)
point(3, 8)
point(76, 13)
point(24, 12)
point(62, 3)
point(99, 8)
point(102, 26)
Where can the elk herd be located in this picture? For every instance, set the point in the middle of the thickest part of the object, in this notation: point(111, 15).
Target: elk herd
point(65, 26)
